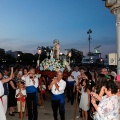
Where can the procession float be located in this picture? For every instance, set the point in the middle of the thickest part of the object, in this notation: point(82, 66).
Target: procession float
point(49, 67)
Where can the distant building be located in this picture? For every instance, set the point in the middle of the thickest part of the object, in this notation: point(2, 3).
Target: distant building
point(94, 58)
point(15, 54)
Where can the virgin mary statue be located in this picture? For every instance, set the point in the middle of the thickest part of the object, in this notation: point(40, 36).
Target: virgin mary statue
point(56, 49)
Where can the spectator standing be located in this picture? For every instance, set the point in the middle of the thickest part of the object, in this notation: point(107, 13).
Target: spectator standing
point(21, 94)
point(85, 98)
point(12, 101)
point(42, 89)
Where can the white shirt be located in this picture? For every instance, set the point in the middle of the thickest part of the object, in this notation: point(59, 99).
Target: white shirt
point(70, 79)
point(62, 85)
point(76, 74)
point(29, 82)
point(23, 91)
point(1, 89)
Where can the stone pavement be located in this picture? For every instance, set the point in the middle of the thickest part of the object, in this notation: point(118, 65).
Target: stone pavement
point(46, 112)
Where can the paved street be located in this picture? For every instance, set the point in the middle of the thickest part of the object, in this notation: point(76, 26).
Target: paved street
point(46, 112)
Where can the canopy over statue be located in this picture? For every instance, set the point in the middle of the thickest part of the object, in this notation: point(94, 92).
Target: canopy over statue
point(56, 49)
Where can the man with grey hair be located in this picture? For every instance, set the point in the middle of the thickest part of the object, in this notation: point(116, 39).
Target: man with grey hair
point(57, 88)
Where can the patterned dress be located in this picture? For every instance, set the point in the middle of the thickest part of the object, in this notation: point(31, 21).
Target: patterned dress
point(108, 108)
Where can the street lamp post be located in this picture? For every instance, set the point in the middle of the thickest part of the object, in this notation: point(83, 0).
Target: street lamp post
point(114, 6)
point(89, 39)
point(39, 53)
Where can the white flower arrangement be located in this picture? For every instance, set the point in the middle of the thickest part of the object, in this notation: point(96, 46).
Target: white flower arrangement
point(54, 65)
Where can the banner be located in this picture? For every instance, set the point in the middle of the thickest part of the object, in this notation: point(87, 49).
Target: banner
point(112, 58)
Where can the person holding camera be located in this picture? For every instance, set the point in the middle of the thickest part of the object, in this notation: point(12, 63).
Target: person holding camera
point(31, 83)
point(108, 107)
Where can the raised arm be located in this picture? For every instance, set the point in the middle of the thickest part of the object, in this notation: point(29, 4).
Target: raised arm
point(8, 79)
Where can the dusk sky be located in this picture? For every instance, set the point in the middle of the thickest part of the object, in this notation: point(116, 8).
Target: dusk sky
point(26, 24)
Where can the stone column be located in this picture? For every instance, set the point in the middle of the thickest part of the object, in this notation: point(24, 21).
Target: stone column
point(115, 9)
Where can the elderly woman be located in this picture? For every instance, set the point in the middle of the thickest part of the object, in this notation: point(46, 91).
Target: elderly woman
point(108, 107)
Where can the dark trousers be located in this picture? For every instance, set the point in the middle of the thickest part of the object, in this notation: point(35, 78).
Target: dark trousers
point(55, 106)
point(32, 106)
point(70, 93)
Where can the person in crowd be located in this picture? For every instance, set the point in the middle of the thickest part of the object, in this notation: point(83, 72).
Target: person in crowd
point(25, 72)
point(31, 83)
point(20, 72)
point(2, 81)
point(82, 74)
point(75, 74)
point(101, 81)
point(42, 88)
point(108, 107)
point(12, 101)
point(42, 78)
point(105, 72)
point(85, 98)
point(57, 88)
point(21, 95)
point(118, 93)
point(70, 89)
point(94, 77)
point(111, 77)
point(5, 85)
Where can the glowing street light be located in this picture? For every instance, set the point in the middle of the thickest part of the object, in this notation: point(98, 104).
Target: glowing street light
point(69, 55)
point(39, 53)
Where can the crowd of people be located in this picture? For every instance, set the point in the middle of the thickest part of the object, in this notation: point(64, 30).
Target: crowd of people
point(22, 88)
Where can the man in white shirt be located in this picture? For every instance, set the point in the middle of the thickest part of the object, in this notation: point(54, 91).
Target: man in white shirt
point(72, 79)
point(31, 83)
point(57, 88)
point(75, 74)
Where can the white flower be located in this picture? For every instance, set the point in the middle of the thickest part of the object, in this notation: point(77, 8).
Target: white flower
point(53, 65)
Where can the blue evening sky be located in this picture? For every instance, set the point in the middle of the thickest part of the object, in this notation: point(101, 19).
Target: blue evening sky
point(26, 24)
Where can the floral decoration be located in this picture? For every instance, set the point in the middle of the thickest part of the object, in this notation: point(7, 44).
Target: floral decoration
point(54, 65)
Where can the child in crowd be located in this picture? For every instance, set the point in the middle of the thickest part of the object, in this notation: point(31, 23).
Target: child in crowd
point(42, 88)
point(85, 98)
point(21, 95)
